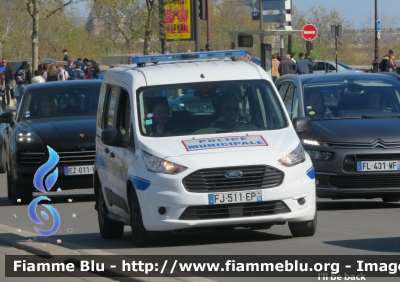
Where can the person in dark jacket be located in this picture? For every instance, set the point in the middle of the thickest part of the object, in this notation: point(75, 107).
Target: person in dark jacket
point(304, 64)
point(8, 75)
point(76, 73)
point(386, 63)
point(23, 77)
point(287, 66)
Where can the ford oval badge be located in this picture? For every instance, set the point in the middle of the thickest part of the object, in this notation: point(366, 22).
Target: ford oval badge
point(233, 174)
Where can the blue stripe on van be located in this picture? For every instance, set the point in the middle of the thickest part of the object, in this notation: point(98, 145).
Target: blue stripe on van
point(311, 173)
point(140, 183)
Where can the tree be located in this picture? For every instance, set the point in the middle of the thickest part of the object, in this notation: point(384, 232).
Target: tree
point(47, 8)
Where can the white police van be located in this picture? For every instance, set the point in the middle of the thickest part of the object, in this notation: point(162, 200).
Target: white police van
point(232, 158)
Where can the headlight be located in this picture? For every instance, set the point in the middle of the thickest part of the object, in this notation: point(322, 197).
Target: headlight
point(313, 143)
point(158, 165)
point(27, 137)
point(294, 157)
point(319, 155)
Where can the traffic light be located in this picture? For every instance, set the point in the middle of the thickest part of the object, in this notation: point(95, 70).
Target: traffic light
point(203, 9)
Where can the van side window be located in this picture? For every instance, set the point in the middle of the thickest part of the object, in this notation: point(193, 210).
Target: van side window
point(125, 118)
point(111, 107)
point(101, 106)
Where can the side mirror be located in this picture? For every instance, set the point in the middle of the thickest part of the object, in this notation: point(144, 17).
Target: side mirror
point(111, 137)
point(7, 117)
point(301, 124)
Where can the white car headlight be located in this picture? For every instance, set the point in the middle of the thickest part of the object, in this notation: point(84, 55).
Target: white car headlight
point(158, 165)
point(313, 143)
point(27, 137)
point(294, 157)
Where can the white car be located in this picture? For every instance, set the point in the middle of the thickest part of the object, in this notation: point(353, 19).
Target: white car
point(330, 66)
point(240, 165)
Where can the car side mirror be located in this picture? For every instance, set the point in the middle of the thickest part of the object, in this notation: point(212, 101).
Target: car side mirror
point(301, 124)
point(7, 117)
point(111, 137)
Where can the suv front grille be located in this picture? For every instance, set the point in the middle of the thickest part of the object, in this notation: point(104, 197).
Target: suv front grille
point(214, 179)
point(234, 210)
point(67, 157)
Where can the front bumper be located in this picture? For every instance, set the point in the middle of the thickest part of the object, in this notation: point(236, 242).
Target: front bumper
point(23, 177)
point(297, 192)
point(338, 178)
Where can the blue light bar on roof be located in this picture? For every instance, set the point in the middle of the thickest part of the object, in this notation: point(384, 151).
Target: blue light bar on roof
point(188, 56)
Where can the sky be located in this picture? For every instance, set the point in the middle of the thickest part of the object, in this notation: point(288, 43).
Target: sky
point(356, 10)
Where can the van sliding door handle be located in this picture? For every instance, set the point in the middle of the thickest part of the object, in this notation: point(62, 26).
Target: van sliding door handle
point(112, 155)
point(106, 150)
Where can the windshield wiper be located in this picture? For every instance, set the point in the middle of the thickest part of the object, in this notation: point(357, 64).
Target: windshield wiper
point(380, 117)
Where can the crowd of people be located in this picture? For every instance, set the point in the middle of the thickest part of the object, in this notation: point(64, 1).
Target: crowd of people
point(303, 65)
point(13, 85)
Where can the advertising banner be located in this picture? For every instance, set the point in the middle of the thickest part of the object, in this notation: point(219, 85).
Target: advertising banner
point(178, 20)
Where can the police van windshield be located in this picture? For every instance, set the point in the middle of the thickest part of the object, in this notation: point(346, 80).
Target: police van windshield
point(209, 107)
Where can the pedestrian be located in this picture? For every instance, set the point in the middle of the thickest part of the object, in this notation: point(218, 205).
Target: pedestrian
point(385, 64)
point(392, 63)
point(81, 64)
point(89, 71)
point(304, 64)
point(247, 58)
point(8, 75)
point(38, 78)
point(287, 66)
point(130, 60)
point(275, 67)
point(152, 51)
point(70, 63)
point(66, 56)
point(41, 66)
point(52, 74)
point(279, 57)
point(292, 56)
point(62, 73)
point(76, 73)
point(2, 87)
point(23, 77)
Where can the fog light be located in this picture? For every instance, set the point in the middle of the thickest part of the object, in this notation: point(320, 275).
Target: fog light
point(301, 201)
point(162, 210)
point(319, 155)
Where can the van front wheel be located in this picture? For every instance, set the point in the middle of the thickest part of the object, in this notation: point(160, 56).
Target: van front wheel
point(303, 228)
point(139, 233)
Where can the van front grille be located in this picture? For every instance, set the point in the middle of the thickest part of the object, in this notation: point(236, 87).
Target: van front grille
point(214, 179)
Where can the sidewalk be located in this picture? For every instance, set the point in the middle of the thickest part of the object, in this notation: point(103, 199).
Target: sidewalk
point(7, 250)
point(47, 246)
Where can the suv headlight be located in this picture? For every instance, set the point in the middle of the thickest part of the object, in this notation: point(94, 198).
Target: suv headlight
point(158, 165)
point(294, 157)
point(313, 143)
point(24, 136)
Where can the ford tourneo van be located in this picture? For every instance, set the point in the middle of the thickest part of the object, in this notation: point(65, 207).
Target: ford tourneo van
point(232, 160)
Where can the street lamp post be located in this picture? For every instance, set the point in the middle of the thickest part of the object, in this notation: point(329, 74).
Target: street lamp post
point(375, 63)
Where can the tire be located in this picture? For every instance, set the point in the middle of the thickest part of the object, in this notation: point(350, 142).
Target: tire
point(109, 229)
point(141, 236)
point(9, 188)
point(18, 195)
point(303, 228)
point(2, 164)
point(391, 199)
